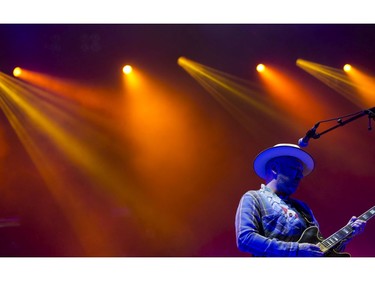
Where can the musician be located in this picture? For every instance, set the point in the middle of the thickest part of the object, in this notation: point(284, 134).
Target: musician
point(268, 221)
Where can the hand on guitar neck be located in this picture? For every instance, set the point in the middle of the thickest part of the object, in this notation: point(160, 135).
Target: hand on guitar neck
point(358, 227)
point(312, 243)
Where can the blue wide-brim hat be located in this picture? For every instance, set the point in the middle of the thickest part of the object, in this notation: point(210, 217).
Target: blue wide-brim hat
point(283, 149)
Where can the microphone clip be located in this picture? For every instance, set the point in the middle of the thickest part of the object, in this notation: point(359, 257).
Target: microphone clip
point(311, 134)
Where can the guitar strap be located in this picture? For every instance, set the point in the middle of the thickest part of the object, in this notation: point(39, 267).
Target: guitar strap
point(302, 210)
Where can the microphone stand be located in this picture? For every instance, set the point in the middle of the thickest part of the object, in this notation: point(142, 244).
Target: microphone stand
point(369, 112)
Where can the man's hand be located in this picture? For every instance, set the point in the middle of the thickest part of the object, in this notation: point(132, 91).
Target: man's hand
point(357, 225)
point(309, 250)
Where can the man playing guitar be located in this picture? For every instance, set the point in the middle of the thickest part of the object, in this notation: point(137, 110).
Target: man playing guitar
point(271, 223)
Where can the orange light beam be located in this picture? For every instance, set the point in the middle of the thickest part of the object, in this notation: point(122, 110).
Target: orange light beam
point(289, 95)
point(365, 85)
point(162, 132)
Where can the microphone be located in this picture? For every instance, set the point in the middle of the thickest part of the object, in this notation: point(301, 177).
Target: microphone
point(303, 142)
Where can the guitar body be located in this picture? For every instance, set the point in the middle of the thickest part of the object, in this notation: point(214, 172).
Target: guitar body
point(312, 235)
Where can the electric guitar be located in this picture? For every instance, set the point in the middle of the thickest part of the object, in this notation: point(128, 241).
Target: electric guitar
point(313, 236)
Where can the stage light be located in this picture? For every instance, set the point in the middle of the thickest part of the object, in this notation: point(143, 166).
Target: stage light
point(17, 71)
point(260, 67)
point(127, 69)
point(347, 67)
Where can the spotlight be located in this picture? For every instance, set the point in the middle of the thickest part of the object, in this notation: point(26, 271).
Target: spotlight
point(347, 67)
point(17, 71)
point(260, 67)
point(127, 69)
point(180, 60)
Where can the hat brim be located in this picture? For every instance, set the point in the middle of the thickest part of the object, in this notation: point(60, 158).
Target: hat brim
point(283, 150)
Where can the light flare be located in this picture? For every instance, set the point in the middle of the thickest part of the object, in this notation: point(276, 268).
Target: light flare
point(127, 69)
point(17, 72)
point(347, 67)
point(261, 67)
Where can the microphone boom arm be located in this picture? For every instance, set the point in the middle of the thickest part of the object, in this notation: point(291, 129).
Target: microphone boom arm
point(370, 112)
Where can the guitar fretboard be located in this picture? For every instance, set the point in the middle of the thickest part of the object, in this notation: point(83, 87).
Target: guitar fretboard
point(344, 232)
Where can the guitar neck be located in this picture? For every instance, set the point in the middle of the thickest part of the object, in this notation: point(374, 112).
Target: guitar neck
point(344, 232)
